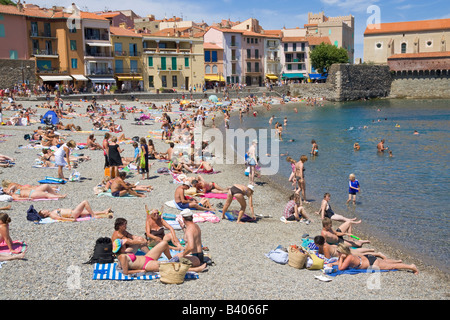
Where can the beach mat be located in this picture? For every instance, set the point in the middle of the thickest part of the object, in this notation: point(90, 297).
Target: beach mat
point(51, 180)
point(215, 195)
point(50, 220)
point(16, 245)
point(233, 215)
point(337, 272)
point(109, 271)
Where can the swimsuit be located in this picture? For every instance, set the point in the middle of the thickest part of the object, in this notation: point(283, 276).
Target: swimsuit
point(116, 194)
point(328, 211)
point(235, 190)
point(371, 259)
point(199, 255)
point(183, 205)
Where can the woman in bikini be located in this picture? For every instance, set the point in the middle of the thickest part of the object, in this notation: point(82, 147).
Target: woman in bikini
point(41, 192)
point(131, 263)
point(326, 211)
point(5, 239)
point(347, 260)
point(238, 192)
point(82, 210)
point(154, 232)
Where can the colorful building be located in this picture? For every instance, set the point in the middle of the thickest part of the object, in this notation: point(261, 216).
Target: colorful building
point(128, 64)
point(214, 66)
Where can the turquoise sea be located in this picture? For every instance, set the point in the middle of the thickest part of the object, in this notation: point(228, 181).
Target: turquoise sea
point(403, 199)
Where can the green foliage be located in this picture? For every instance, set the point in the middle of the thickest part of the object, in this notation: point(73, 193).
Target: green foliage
point(7, 2)
point(324, 55)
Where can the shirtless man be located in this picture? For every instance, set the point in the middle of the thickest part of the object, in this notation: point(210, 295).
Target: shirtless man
point(337, 236)
point(120, 232)
point(169, 153)
point(120, 188)
point(193, 238)
point(299, 176)
point(184, 203)
point(380, 146)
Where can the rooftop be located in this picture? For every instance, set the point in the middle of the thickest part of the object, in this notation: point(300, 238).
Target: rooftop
point(409, 26)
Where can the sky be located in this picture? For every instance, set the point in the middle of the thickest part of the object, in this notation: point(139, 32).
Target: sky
point(274, 14)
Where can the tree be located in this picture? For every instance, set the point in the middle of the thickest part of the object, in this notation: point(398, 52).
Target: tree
point(324, 55)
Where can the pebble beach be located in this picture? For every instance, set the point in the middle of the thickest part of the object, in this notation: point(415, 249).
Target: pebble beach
point(54, 269)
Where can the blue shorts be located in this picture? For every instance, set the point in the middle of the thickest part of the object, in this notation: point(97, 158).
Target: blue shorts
point(182, 205)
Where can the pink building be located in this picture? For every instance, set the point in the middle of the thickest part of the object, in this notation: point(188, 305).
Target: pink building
point(13, 33)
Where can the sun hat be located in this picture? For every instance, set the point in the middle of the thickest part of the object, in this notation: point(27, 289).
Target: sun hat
point(251, 187)
point(186, 213)
point(117, 244)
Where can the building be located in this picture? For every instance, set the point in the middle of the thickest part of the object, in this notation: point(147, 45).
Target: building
point(214, 65)
point(128, 64)
point(173, 60)
point(411, 37)
point(272, 55)
point(117, 18)
point(339, 30)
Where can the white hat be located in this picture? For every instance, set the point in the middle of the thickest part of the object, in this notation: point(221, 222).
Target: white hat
point(251, 187)
point(186, 213)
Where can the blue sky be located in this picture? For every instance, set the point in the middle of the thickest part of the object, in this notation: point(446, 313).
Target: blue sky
point(273, 14)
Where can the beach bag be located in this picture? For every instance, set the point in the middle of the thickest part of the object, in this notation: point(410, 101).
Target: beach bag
point(33, 215)
point(316, 264)
point(75, 176)
point(297, 257)
point(279, 256)
point(162, 170)
point(102, 251)
point(142, 163)
point(5, 198)
point(174, 272)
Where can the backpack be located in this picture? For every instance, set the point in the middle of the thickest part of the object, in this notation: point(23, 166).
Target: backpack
point(33, 215)
point(102, 251)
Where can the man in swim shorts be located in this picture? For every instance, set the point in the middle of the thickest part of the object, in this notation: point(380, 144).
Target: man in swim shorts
point(182, 201)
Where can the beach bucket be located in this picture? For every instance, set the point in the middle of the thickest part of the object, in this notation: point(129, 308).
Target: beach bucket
point(108, 172)
point(297, 257)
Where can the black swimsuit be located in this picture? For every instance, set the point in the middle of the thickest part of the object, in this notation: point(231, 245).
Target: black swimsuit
point(235, 190)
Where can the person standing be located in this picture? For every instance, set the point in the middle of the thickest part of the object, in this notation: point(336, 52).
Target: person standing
point(300, 176)
point(114, 158)
point(64, 152)
point(252, 161)
point(381, 147)
point(353, 188)
point(144, 157)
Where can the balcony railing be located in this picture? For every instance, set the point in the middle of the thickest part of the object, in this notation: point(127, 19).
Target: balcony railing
point(51, 70)
point(100, 72)
point(169, 68)
point(37, 34)
point(128, 70)
point(98, 54)
point(39, 52)
point(127, 53)
point(97, 37)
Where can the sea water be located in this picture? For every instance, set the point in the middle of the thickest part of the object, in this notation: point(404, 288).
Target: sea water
point(404, 198)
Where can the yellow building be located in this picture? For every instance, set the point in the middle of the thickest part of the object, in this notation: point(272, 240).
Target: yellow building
point(173, 59)
point(127, 48)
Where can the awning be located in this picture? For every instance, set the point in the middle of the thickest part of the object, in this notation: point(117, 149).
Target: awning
point(271, 77)
point(317, 76)
point(293, 75)
point(99, 44)
point(56, 78)
point(79, 77)
point(214, 78)
point(103, 80)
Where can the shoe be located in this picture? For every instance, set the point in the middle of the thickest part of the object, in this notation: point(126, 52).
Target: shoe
point(307, 222)
point(283, 219)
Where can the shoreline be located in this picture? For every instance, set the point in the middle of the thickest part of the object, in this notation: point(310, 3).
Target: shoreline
point(241, 270)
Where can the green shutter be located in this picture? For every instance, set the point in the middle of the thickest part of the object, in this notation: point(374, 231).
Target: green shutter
point(163, 63)
point(73, 45)
point(186, 62)
point(174, 63)
point(13, 54)
point(150, 61)
point(2, 30)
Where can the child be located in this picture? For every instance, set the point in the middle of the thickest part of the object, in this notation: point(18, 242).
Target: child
point(353, 188)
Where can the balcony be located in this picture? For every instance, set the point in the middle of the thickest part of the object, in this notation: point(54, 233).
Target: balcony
point(103, 37)
point(100, 72)
point(178, 68)
point(98, 54)
point(51, 71)
point(45, 53)
point(36, 34)
point(127, 53)
point(128, 71)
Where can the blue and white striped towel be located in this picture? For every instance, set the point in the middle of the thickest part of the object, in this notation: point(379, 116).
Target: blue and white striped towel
point(108, 271)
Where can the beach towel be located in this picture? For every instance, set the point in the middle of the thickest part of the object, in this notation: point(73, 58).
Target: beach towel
point(173, 204)
point(109, 194)
point(337, 272)
point(51, 180)
point(16, 245)
point(50, 220)
point(37, 199)
point(207, 172)
point(207, 216)
point(215, 195)
point(109, 271)
point(233, 215)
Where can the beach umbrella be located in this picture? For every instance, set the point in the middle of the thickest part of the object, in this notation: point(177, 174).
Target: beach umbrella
point(50, 118)
point(184, 102)
point(213, 98)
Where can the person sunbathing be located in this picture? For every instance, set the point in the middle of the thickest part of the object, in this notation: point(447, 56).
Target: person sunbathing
point(120, 188)
point(82, 210)
point(347, 260)
point(91, 144)
point(337, 236)
point(131, 263)
point(207, 187)
point(5, 238)
point(205, 167)
point(44, 191)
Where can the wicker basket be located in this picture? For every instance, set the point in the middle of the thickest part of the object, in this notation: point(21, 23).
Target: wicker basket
point(297, 258)
point(173, 272)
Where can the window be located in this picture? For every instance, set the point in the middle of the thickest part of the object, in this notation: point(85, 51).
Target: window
point(379, 45)
point(249, 67)
point(34, 28)
point(174, 81)
point(294, 47)
point(403, 47)
point(35, 44)
point(285, 47)
point(150, 61)
point(329, 31)
point(74, 63)
point(289, 66)
point(119, 66)
point(249, 53)
point(47, 30)
point(186, 61)
point(256, 53)
point(252, 40)
point(133, 66)
point(214, 69)
point(429, 43)
point(163, 63)
point(207, 56)
point(233, 54)
point(336, 43)
point(303, 46)
point(256, 66)
point(213, 56)
point(233, 41)
point(164, 81)
point(208, 69)
point(174, 63)
point(233, 68)
point(248, 40)
point(13, 54)
point(133, 49)
point(2, 30)
point(48, 47)
point(256, 40)
point(73, 44)
point(151, 83)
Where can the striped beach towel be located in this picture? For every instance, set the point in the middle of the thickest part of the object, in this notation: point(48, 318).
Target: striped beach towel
point(109, 271)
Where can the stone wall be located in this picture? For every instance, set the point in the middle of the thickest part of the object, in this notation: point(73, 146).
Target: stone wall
point(16, 71)
point(348, 82)
point(420, 86)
